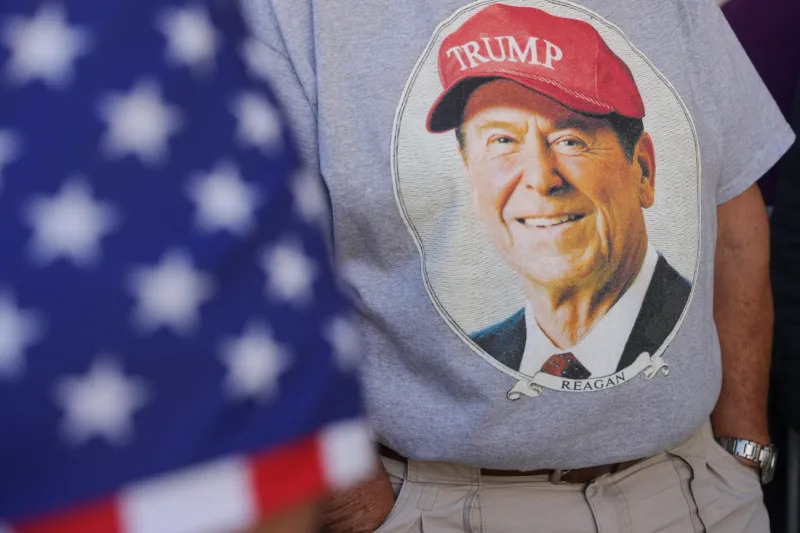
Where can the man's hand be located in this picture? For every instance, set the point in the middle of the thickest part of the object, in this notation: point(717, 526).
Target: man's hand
point(743, 315)
point(301, 519)
point(360, 509)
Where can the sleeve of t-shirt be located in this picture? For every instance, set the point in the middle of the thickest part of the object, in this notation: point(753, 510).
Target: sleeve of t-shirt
point(282, 51)
point(751, 133)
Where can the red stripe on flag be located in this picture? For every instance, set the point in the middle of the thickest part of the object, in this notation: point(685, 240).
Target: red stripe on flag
point(100, 516)
point(287, 476)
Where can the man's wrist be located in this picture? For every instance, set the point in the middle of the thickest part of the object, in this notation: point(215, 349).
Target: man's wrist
point(753, 428)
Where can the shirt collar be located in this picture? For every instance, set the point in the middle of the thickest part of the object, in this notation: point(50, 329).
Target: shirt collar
point(601, 349)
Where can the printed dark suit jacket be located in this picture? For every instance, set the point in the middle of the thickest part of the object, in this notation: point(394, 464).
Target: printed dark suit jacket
point(662, 307)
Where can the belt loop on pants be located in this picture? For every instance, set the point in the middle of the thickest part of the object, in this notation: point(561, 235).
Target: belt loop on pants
point(433, 472)
point(557, 475)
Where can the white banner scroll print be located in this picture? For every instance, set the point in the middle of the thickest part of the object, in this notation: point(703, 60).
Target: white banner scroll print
point(534, 387)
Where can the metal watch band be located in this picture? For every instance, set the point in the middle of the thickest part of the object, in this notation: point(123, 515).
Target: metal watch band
point(765, 456)
point(746, 449)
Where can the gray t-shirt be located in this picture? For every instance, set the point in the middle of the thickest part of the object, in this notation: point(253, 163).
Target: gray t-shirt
point(454, 252)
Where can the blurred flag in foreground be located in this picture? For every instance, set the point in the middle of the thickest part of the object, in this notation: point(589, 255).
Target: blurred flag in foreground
point(175, 355)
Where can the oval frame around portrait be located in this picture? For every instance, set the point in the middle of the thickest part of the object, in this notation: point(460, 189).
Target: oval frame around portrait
point(467, 281)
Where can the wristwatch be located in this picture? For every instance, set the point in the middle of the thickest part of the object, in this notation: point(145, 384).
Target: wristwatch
point(765, 456)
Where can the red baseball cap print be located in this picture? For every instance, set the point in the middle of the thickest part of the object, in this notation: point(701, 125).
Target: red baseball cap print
point(562, 58)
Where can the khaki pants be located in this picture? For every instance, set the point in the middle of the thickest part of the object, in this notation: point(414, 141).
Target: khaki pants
point(694, 487)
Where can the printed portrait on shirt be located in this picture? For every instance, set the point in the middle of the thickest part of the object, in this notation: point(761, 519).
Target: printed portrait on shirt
point(549, 175)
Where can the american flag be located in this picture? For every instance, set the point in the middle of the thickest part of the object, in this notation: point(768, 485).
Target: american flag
point(175, 355)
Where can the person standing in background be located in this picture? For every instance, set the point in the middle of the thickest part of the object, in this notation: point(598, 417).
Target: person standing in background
point(175, 352)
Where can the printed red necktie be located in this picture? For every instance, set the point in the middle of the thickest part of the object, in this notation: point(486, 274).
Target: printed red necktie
point(565, 365)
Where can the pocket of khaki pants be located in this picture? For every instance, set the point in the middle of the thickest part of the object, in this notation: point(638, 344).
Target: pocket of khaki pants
point(397, 508)
point(697, 489)
point(401, 488)
point(723, 488)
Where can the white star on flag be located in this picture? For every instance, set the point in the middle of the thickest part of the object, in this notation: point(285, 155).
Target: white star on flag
point(100, 403)
point(18, 330)
point(309, 197)
point(255, 362)
point(43, 47)
point(223, 201)
point(290, 273)
point(191, 38)
point(258, 122)
point(139, 123)
point(343, 339)
point(9, 150)
point(258, 59)
point(69, 224)
point(170, 294)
